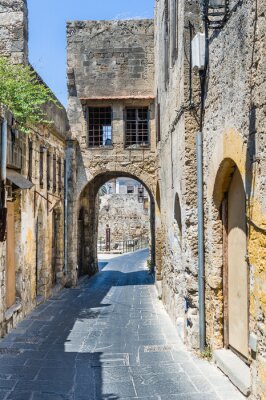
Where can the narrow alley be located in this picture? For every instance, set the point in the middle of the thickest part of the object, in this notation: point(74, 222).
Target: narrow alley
point(109, 338)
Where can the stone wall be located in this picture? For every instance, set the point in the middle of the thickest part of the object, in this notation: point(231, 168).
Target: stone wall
point(14, 30)
point(39, 257)
point(40, 206)
point(177, 123)
point(234, 138)
point(110, 63)
point(126, 217)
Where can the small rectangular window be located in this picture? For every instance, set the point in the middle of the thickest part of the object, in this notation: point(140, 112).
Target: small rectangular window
point(60, 175)
point(41, 166)
point(174, 30)
point(158, 122)
point(130, 189)
point(99, 126)
point(30, 146)
point(137, 127)
point(54, 173)
point(48, 171)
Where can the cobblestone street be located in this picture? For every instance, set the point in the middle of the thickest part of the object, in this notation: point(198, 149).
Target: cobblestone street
point(109, 338)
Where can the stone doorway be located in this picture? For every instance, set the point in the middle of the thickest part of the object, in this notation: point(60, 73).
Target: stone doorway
point(87, 223)
point(235, 275)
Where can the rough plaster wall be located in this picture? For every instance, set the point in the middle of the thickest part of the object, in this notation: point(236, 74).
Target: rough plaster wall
point(177, 176)
point(234, 129)
point(125, 216)
point(27, 204)
point(14, 30)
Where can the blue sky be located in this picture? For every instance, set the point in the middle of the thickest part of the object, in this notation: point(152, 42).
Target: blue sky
point(47, 40)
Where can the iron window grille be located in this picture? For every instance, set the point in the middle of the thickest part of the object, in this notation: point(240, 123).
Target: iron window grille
point(137, 127)
point(48, 171)
point(59, 175)
point(99, 126)
point(54, 173)
point(30, 147)
point(41, 165)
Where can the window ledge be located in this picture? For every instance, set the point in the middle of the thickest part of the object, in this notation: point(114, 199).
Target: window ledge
point(101, 148)
point(138, 147)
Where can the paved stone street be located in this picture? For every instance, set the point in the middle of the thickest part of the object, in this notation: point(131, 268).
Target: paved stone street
point(110, 338)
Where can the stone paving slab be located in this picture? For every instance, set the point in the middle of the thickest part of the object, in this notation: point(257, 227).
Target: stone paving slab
point(110, 338)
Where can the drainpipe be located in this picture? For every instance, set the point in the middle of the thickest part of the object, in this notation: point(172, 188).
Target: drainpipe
point(201, 269)
point(4, 151)
point(65, 215)
point(200, 200)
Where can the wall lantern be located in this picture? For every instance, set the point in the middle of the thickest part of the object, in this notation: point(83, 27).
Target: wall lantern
point(217, 12)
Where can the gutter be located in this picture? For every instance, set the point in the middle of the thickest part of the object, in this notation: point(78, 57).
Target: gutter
point(200, 189)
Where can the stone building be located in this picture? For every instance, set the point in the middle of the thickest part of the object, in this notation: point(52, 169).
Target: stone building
point(125, 215)
point(233, 131)
point(32, 192)
point(111, 114)
point(234, 162)
point(177, 102)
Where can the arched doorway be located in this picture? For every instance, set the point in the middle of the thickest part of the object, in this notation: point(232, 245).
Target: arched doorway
point(235, 274)
point(87, 221)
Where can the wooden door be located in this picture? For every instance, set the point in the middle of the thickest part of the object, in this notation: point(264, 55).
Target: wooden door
point(237, 267)
point(10, 264)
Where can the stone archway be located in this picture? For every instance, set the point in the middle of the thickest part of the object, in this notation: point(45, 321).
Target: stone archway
point(85, 258)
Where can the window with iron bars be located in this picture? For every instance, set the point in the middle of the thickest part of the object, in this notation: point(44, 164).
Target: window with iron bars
point(54, 173)
point(99, 126)
point(137, 127)
point(41, 165)
point(48, 171)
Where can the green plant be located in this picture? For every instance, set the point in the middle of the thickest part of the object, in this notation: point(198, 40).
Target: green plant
point(206, 353)
point(149, 264)
point(22, 92)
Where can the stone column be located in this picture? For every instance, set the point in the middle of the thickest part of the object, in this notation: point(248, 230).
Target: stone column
point(70, 215)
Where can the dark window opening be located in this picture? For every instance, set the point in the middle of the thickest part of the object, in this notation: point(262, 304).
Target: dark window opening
point(141, 194)
point(48, 171)
point(99, 126)
point(30, 144)
point(174, 30)
point(41, 166)
point(60, 175)
point(54, 173)
point(158, 123)
point(137, 126)
point(166, 43)
point(130, 189)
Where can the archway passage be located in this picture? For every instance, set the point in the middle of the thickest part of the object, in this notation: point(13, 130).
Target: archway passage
point(235, 266)
point(88, 239)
